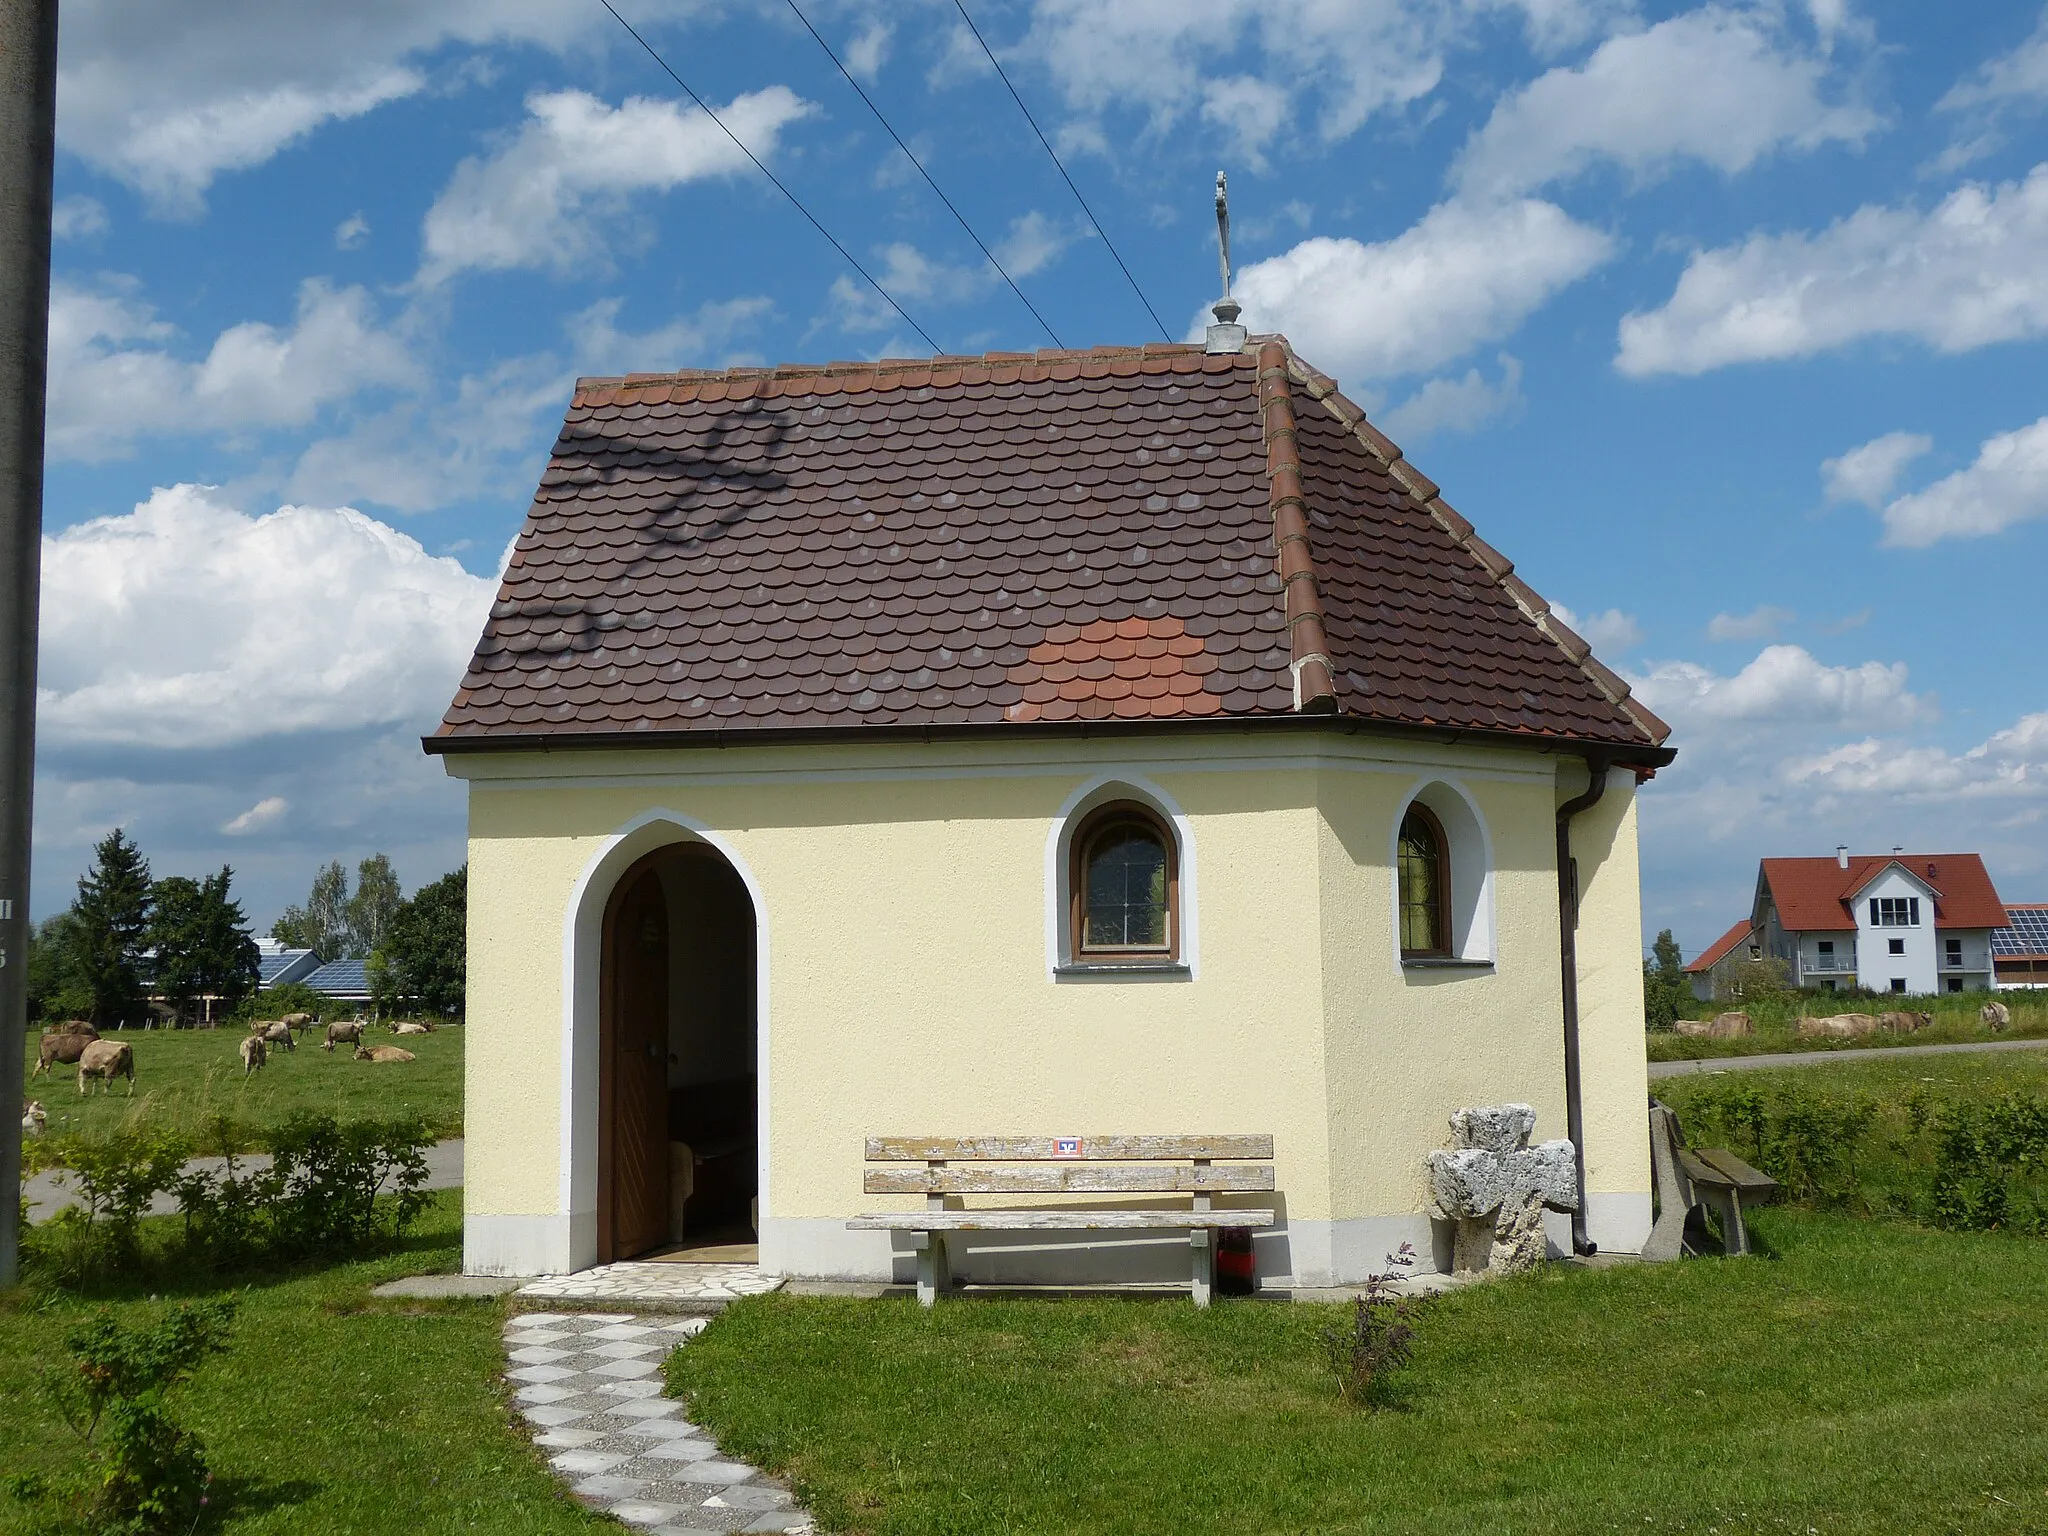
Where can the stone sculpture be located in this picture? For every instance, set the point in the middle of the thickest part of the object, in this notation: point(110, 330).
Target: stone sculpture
point(1495, 1186)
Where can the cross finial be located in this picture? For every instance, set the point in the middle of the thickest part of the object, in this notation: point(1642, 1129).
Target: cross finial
point(1226, 335)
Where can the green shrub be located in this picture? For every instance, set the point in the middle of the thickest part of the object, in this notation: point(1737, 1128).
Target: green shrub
point(144, 1474)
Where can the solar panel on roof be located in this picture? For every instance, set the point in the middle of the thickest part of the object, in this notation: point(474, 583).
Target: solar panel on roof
point(2027, 935)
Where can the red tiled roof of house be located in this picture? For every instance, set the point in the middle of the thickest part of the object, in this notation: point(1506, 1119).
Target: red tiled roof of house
point(1720, 949)
point(1127, 534)
point(1814, 895)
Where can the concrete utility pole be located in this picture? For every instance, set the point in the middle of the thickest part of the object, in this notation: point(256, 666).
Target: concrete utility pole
point(28, 152)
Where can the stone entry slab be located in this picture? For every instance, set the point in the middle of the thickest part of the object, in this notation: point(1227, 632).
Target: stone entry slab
point(590, 1385)
point(654, 1287)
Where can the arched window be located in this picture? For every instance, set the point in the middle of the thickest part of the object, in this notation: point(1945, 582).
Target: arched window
point(1125, 887)
point(1425, 884)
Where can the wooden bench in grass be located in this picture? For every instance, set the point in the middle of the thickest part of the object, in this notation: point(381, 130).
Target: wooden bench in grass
point(1690, 1180)
point(1195, 1166)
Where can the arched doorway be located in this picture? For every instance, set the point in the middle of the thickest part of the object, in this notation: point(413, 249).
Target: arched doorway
point(676, 1058)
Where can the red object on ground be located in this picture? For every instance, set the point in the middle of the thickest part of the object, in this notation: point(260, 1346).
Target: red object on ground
point(1235, 1271)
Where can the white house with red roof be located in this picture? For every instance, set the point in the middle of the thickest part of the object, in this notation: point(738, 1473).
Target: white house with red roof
point(1900, 922)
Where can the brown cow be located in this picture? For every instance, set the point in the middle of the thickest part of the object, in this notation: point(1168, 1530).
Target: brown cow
point(254, 1054)
point(1843, 1026)
point(1693, 1029)
point(1995, 1015)
point(107, 1060)
point(382, 1053)
point(34, 1119)
point(275, 1032)
point(411, 1027)
point(1904, 1023)
point(343, 1032)
point(1730, 1026)
point(300, 1021)
point(62, 1047)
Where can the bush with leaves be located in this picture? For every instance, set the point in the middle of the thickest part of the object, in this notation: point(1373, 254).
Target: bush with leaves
point(115, 1179)
point(1379, 1339)
point(145, 1474)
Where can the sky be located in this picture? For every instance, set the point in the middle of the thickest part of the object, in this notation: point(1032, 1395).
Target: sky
point(1726, 322)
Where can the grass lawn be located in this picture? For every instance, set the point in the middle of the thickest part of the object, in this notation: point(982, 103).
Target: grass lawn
point(331, 1413)
point(1955, 1021)
point(1890, 1078)
point(183, 1076)
point(1868, 1377)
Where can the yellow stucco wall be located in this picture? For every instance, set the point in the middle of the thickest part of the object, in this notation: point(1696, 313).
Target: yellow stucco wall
point(908, 989)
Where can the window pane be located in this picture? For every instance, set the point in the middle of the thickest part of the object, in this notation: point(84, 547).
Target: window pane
point(1421, 875)
point(1126, 891)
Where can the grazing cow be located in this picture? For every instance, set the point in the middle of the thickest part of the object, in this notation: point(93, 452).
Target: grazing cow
point(343, 1032)
point(107, 1060)
point(382, 1053)
point(1843, 1026)
point(300, 1021)
point(62, 1047)
point(33, 1118)
point(1904, 1023)
point(254, 1053)
point(1730, 1026)
point(275, 1032)
point(409, 1027)
point(1995, 1015)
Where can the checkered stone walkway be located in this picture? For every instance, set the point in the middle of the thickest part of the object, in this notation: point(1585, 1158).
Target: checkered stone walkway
point(590, 1385)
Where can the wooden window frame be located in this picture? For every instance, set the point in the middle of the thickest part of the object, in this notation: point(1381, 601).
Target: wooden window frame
point(1435, 828)
point(1092, 828)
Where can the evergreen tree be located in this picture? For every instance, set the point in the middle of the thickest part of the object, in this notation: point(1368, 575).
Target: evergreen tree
point(112, 913)
point(422, 963)
point(202, 942)
point(56, 988)
point(376, 901)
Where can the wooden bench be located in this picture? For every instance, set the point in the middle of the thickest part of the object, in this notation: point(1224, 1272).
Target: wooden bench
point(1064, 1165)
point(1691, 1180)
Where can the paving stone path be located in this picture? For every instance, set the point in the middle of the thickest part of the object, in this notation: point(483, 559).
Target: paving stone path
point(656, 1287)
point(590, 1385)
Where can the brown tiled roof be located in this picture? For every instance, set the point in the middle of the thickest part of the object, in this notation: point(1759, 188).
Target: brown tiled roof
point(1722, 947)
point(1017, 540)
point(1814, 895)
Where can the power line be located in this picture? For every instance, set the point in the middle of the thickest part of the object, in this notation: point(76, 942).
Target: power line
point(961, 7)
point(927, 175)
point(705, 108)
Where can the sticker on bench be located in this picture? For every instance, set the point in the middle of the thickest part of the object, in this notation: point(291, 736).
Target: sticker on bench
point(1067, 1146)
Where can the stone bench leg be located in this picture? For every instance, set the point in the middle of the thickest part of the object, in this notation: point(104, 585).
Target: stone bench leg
point(1727, 1204)
point(933, 1272)
point(1202, 1245)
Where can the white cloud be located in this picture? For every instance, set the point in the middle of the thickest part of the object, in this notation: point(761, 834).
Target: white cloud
point(1867, 474)
point(1035, 242)
point(351, 232)
point(1965, 275)
point(1455, 405)
point(869, 49)
point(261, 816)
point(703, 338)
point(1612, 633)
point(554, 193)
point(1760, 623)
point(166, 98)
point(1785, 684)
point(2007, 484)
point(114, 377)
point(189, 625)
point(75, 217)
point(2021, 75)
point(1715, 85)
point(1459, 278)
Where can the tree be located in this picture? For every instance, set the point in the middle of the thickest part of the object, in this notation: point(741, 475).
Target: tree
point(203, 947)
point(321, 925)
point(56, 988)
point(1667, 991)
point(376, 901)
point(112, 912)
point(422, 963)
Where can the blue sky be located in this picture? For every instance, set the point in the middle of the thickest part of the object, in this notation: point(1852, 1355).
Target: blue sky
point(1725, 322)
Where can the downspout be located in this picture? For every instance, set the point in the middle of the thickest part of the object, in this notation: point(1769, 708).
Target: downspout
point(1598, 762)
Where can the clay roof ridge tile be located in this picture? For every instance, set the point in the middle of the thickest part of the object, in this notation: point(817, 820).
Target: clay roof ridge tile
point(1308, 640)
point(1425, 493)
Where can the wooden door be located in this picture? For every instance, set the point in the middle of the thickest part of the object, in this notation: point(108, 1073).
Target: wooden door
point(635, 1070)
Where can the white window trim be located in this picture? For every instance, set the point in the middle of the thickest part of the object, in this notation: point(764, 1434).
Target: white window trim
point(1479, 948)
point(1103, 788)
